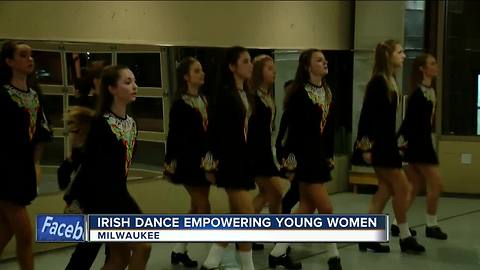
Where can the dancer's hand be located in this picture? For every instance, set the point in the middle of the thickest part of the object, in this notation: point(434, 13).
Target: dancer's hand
point(402, 149)
point(290, 176)
point(170, 168)
point(367, 157)
point(211, 177)
point(331, 163)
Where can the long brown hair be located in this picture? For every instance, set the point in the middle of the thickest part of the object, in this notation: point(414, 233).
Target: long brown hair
point(256, 80)
point(232, 55)
point(227, 80)
point(302, 75)
point(182, 70)
point(7, 52)
point(382, 66)
point(416, 76)
point(110, 77)
point(287, 86)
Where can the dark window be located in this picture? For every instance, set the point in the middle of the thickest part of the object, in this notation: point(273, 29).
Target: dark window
point(340, 79)
point(148, 112)
point(77, 63)
point(48, 67)
point(461, 69)
point(145, 66)
point(149, 155)
point(54, 109)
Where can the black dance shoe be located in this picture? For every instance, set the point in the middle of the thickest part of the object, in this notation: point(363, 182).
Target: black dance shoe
point(375, 247)
point(396, 231)
point(176, 258)
point(257, 246)
point(334, 264)
point(284, 261)
point(410, 245)
point(435, 232)
point(205, 268)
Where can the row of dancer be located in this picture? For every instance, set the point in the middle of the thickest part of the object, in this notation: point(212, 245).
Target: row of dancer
point(233, 142)
point(379, 144)
point(380, 150)
point(225, 131)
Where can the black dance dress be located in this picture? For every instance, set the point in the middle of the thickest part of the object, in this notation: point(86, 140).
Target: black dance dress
point(310, 138)
point(187, 140)
point(109, 149)
point(24, 125)
point(68, 168)
point(228, 130)
point(417, 127)
point(377, 126)
point(260, 136)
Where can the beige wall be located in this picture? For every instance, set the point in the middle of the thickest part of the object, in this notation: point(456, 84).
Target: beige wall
point(376, 21)
point(459, 177)
point(262, 24)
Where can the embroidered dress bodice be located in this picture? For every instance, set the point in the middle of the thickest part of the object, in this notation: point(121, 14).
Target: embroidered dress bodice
point(393, 83)
point(28, 100)
point(318, 96)
point(429, 94)
point(267, 100)
point(199, 104)
point(243, 96)
point(126, 131)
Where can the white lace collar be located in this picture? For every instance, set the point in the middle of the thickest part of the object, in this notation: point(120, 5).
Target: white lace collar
point(318, 95)
point(428, 93)
point(267, 100)
point(199, 104)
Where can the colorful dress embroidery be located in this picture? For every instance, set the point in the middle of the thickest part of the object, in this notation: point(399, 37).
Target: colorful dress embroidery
point(429, 94)
point(364, 144)
point(200, 105)
point(29, 102)
point(319, 97)
point(126, 131)
point(267, 100)
point(248, 113)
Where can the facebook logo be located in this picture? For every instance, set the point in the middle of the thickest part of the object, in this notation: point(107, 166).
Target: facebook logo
point(60, 228)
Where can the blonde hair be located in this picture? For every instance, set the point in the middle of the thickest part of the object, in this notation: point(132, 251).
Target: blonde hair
point(382, 65)
point(79, 120)
point(257, 73)
point(383, 53)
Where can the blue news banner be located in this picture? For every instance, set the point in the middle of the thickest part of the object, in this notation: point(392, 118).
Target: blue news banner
point(212, 228)
point(61, 228)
